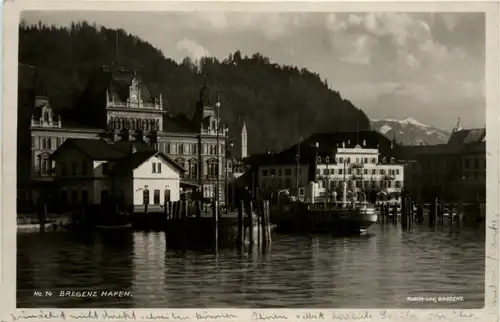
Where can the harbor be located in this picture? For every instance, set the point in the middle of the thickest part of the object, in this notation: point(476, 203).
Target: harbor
point(378, 269)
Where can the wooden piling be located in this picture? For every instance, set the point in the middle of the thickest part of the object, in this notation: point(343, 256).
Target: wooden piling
point(215, 220)
point(260, 222)
point(197, 209)
point(250, 222)
point(433, 213)
point(240, 236)
point(266, 222)
point(404, 211)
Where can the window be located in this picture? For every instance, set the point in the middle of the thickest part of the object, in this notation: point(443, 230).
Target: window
point(341, 160)
point(366, 160)
point(73, 168)
point(33, 142)
point(349, 171)
point(145, 197)
point(85, 196)
point(288, 172)
point(340, 171)
point(154, 167)
point(194, 148)
point(84, 168)
point(273, 172)
point(156, 197)
point(397, 171)
point(74, 196)
point(63, 169)
point(374, 171)
point(374, 160)
point(382, 171)
point(357, 160)
point(325, 172)
point(168, 148)
point(42, 140)
point(280, 172)
point(265, 173)
point(193, 169)
point(181, 148)
point(158, 167)
point(365, 171)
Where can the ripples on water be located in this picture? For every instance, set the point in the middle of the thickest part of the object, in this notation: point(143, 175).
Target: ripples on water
point(379, 270)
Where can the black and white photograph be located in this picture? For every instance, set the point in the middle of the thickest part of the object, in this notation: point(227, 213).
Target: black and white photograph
point(253, 159)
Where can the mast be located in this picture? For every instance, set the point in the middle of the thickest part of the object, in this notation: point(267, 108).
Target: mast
point(297, 158)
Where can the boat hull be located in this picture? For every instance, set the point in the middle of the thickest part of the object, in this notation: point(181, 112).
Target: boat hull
point(303, 218)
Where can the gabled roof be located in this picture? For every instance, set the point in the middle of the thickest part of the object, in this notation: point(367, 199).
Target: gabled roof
point(136, 159)
point(95, 149)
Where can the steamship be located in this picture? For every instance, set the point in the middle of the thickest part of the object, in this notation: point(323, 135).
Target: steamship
point(348, 216)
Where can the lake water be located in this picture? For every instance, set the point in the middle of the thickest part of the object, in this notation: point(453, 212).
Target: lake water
point(378, 270)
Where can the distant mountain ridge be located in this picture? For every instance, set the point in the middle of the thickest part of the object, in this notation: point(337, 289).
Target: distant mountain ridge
point(410, 131)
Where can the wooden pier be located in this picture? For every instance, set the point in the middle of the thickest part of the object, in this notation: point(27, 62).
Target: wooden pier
point(437, 213)
point(186, 225)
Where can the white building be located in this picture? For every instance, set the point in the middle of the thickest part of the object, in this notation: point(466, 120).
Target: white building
point(91, 171)
point(363, 169)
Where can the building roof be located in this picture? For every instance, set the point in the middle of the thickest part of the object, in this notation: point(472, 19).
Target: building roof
point(460, 141)
point(95, 149)
point(463, 137)
point(328, 144)
point(179, 124)
point(118, 81)
point(134, 160)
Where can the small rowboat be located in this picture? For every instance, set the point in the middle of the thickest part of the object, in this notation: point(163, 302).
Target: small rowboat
point(110, 227)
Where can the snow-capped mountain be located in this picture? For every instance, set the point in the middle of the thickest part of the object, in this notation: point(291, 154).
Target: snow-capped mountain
point(410, 131)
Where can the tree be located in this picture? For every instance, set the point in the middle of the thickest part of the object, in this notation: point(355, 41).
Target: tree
point(279, 103)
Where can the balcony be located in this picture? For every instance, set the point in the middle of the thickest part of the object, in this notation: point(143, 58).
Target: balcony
point(357, 165)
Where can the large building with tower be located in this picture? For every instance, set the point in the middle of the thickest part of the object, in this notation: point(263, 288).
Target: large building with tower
point(118, 105)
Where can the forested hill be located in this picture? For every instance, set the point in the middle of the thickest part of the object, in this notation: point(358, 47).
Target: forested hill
point(279, 103)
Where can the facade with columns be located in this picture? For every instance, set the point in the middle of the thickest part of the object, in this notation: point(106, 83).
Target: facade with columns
point(118, 105)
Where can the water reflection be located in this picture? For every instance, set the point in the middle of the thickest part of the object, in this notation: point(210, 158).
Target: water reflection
point(380, 269)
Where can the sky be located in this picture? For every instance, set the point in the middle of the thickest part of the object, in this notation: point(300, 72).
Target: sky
point(427, 66)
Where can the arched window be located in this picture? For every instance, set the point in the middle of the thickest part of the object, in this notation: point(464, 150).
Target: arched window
point(193, 169)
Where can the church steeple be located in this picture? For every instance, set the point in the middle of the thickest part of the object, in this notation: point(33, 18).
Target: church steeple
point(393, 141)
